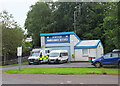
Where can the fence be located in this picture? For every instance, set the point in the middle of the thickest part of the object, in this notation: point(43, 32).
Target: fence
point(13, 61)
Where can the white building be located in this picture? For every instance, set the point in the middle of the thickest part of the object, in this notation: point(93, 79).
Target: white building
point(82, 49)
point(88, 48)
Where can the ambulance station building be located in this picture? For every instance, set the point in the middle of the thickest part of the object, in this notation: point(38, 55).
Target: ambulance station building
point(81, 49)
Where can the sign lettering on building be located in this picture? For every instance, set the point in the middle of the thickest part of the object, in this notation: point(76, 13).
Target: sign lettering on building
point(57, 39)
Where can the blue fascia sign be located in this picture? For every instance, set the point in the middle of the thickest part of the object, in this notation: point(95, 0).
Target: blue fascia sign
point(57, 39)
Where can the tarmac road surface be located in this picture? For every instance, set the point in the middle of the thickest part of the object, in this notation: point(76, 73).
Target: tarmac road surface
point(80, 64)
point(57, 79)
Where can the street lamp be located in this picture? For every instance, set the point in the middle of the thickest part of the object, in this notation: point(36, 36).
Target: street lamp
point(75, 15)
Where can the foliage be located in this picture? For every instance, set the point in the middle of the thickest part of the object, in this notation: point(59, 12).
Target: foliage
point(37, 20)
point(27, 46)
point(94, 20)
point(111, 28)
point(12, 34)
point(11, 39)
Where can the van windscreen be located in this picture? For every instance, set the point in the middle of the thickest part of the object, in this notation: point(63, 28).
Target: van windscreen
point(36, 53)
point(54, 54)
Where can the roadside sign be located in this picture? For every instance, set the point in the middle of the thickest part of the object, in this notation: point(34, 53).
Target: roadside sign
point(19, 54)
point(19, 51)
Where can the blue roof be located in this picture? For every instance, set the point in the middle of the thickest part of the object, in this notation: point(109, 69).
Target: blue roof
point(59, 33)
point(87, 44)
point(53, 34)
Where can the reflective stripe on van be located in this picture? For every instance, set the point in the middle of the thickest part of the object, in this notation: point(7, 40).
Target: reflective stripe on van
point(42, 57)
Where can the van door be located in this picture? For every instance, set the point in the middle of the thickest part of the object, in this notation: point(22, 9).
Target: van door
point(64, 56)
point(47, 52)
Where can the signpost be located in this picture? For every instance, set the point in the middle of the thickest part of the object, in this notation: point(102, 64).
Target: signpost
point(19, 54)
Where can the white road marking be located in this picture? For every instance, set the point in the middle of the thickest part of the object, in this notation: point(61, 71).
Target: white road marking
point(61, 83)
point(81, 83)
point(69, 82)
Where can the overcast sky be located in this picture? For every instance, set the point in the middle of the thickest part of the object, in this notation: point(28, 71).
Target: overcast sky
point(18, 8)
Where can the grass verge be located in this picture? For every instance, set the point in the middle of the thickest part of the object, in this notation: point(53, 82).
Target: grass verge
point(75, 71)
point(13, 65)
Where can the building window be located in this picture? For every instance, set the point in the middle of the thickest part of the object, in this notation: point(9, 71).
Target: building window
point(85, 52)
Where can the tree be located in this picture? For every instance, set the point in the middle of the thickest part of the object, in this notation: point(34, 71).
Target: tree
point(37, 20)
point(12, 35)
point(111, 28)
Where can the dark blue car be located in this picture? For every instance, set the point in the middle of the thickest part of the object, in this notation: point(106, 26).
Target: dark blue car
point(112, 58)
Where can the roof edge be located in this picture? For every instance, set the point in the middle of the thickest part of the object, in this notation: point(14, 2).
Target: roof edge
point(85, 47)
point(59, 33)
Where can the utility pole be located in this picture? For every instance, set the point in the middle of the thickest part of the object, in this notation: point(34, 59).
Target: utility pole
point(75, 15)
point(75, 21)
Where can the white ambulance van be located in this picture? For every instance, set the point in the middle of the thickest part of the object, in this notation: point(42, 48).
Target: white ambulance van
point(39, 55)
point(58, 56)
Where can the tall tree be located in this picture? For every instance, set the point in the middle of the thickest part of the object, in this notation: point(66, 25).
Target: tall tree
point(37, 20)
point(12, 34)
point(111, 28)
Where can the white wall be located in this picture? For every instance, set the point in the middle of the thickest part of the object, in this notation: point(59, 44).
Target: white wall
point(80, 57)
point(43, 41)
point(73, 42)
point(100, 51)
point(92, 52)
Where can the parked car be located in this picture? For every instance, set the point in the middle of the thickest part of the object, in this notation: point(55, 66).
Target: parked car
point(39, 56)
point(112, 58)
point(58, 56)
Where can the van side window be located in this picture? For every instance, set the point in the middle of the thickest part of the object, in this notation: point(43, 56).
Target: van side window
point(64, 54)
point(47, 51)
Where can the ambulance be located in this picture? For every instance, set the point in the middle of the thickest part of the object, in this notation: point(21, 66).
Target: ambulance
point(39, 55)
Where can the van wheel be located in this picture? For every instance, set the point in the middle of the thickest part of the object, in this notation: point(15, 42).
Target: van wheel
point(29, 63)
point(66, 61)
point(98, 65)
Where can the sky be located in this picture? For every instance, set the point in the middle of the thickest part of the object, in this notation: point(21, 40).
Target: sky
point(18, 8)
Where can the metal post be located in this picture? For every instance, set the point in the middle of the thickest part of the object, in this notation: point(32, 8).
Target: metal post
point(75, 21)
point(19, 62)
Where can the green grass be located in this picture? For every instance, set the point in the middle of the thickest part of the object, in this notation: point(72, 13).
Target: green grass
point(14, 64)
point(76, 71)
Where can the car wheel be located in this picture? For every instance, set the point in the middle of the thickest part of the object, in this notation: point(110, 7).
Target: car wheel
point(97, 64)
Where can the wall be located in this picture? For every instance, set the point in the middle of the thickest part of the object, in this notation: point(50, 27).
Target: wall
point(79, 55)
point(99, 50)
point(73, 42)
point(93, 52)
point(42, 41)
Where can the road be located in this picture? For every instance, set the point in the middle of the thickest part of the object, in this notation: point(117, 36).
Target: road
point(85, 64)
point(57, 79)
